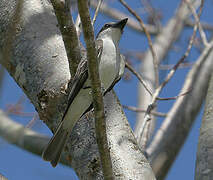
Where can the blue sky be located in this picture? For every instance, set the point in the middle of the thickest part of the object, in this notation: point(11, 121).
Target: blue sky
point(19, 164)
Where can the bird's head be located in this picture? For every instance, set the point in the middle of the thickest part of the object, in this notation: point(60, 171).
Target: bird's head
point(112, 30)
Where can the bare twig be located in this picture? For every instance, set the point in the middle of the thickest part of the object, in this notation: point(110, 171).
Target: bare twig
point(96, 11)
point(78, 20)
point(116, 14)
point(175, 97)
point(100, 124)
point(32, 121)
point(197, 20)
point(170, 66)
point(69, 34)
point(132, 108)
point(128, 66)
point(205, 25)
point(155, 62)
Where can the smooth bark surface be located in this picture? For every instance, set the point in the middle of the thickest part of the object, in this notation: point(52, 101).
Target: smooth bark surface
point(204, 161)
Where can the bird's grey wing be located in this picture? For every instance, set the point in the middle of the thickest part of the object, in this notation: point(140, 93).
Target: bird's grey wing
point(81, 76)
point(55, 146)
point(99, 48)
point(119, 75)
point(77, 83)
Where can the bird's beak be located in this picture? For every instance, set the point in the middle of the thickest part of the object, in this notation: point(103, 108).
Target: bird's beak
point(120, 24)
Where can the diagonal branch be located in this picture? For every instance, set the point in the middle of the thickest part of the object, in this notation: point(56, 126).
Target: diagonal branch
point(128, 66)
point(69, 34)
point(100, 124)
point(197, 20)
point(96, 11)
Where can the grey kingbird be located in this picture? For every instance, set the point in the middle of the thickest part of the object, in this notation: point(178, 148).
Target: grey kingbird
point(111, 68)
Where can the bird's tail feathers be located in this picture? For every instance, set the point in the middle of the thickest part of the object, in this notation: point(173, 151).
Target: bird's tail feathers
point(56, 145)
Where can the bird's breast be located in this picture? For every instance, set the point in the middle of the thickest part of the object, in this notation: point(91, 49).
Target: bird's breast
point(109, 63)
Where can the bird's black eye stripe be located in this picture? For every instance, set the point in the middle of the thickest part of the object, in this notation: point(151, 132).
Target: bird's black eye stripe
point(106, 26)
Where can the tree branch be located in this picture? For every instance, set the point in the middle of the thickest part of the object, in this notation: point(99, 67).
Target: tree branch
point(100, 125)
point(205, 144)
point(96, 11)
point(132, 108)
point(68, 31)
point(180, 118)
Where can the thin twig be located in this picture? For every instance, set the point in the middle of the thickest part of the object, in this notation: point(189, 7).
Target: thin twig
point(197, 20)
point(205, 25)
point(128, 66)
point(170, 66)
point(32, 121)
point(116, 14)
point(131, 69)
point(139, 110)
point(78, 20)
point(100, 123)
point(155, 62)
point(96, 11)
point(175, 97)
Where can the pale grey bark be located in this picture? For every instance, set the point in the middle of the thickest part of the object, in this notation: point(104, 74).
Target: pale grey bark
point(204, 161)
point(36, 59)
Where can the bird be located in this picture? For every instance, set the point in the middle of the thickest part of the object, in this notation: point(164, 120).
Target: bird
point(111, 68)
